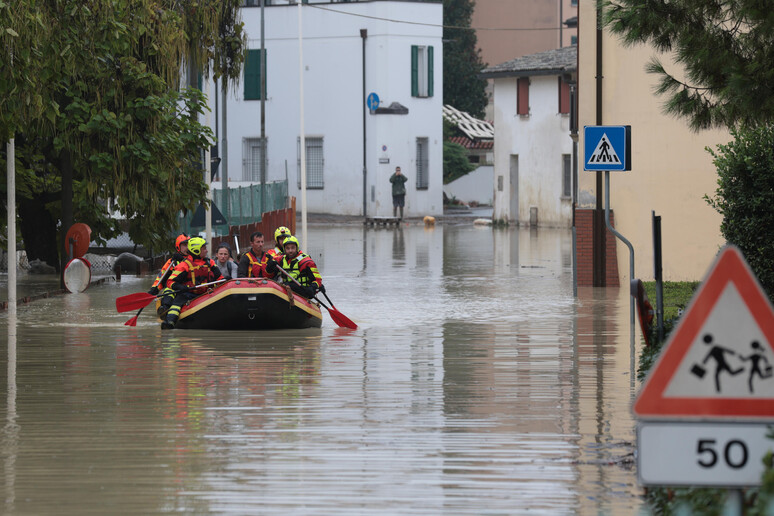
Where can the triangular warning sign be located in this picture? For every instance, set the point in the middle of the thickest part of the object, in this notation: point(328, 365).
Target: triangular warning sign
point(719, 361)
point(198, 219)
point(604, 153)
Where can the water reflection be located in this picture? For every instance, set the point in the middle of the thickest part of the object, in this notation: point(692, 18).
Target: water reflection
point(475, 384)
point(11, 428)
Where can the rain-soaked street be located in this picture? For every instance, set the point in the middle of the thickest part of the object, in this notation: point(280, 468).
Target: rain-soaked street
point(475, 384)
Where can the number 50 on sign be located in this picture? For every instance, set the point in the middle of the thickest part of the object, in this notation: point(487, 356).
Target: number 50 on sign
point(702, 454)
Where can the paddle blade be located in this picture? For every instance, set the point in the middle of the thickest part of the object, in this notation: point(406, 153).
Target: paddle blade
point(341, 320)
point(133, 320)
point(133, 301)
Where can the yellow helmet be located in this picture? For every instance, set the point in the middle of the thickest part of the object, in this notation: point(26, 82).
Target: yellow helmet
point(291, 240)
point(281, 232)
point(195, 245)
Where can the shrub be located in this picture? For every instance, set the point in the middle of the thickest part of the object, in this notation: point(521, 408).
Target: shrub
point(745, 197)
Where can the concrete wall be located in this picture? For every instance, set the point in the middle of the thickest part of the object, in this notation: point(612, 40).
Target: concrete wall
point(539, 140)
point(334, 105)
point(475, 186)
point(671, 170)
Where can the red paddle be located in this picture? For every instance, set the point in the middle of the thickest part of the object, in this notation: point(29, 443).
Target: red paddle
point(339, 318)
point(139, 300)
point(133, 320)
point(134, 301)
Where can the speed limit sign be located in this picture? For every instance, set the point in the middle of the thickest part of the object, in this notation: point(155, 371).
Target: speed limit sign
point(701, 454)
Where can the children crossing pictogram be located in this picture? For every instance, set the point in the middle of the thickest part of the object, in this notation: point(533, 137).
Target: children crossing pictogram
point(718, 362)
point(604, 153)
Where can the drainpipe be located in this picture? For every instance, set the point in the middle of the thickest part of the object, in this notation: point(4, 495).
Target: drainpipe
point(363, 36)
point(599, 213)
point(574, 137)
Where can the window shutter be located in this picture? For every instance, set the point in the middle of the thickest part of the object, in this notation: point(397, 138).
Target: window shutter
point(414, 71)
point(564, 97)
point(429, 71)
point(253, 75)
point(522, 107)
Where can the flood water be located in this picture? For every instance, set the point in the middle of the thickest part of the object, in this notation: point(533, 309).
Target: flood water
point(475, 384)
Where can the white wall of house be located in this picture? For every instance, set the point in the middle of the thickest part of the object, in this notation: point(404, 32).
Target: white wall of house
point(333, 103)
point(476, 186)
point(538, 143)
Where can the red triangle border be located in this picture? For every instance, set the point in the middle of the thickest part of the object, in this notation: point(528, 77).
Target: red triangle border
point(729, 266)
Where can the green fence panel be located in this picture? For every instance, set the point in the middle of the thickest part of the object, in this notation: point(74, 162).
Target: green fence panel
point(244, 206)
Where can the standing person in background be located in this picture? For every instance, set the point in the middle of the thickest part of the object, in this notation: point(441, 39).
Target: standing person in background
point(253, 262)
point(398, 181)
point(227, 266)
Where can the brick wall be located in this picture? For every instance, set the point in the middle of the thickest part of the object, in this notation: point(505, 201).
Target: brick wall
point(584, 220)
point(270, 221)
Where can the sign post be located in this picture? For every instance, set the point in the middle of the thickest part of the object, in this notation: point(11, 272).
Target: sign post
point(609, 148)
point(704, 410)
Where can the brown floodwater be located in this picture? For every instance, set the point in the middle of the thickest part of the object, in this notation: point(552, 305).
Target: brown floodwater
point(475, 384)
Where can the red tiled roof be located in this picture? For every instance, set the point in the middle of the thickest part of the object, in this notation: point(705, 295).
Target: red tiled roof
point(470, 144)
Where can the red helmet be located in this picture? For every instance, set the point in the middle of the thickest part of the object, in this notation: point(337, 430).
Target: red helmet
point(181, 239)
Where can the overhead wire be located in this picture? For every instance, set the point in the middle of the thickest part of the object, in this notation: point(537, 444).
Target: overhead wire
point(428, 24)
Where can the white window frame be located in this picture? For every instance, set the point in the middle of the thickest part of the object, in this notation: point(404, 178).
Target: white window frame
point(315, 162)
point(251, 158)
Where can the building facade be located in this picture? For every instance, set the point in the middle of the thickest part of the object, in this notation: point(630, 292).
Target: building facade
point(671, 170)
point(533, 177)
point(352, 54)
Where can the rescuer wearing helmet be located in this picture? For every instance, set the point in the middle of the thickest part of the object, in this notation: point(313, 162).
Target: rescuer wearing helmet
point(253, 262)
point(196, 269)
point(181, 250)
point(280, 234)
point(300, 267)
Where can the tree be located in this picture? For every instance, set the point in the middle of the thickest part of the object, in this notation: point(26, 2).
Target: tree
point(745, 196)
point(723, 46)
point(455, 157)
point(455, 161)
point(462, 86)
point(107, 116)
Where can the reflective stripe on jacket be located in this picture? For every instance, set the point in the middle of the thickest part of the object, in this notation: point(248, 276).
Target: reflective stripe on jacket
point(194, 271)
point(303, 269)
point(275, 254)
point(257, 268)
point(163, 276)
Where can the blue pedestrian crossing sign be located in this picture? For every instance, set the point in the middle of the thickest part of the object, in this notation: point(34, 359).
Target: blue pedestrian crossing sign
point(607, 147)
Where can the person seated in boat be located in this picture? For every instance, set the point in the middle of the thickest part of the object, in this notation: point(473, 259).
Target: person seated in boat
point(253, 262)
point(196, 269)
point(228, 267)
point(298, 266)
point(181, 250)
point(280, 234)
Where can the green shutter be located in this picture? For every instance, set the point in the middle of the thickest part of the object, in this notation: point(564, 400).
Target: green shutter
point(429, 71)
point(414, 71)
point(253, 75)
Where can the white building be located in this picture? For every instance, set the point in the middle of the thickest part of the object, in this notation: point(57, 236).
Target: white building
point(403, 67)
point(532, 144)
